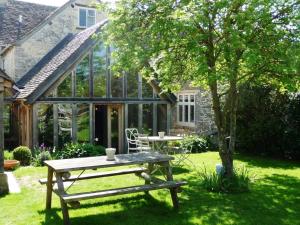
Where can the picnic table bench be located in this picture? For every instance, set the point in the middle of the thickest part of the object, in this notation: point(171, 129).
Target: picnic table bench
point(62, 169)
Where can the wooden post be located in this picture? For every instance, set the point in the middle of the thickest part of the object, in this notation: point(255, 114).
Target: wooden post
point(121, 128)
point(154, 125)
point(49, 188)
point(173, 191)
point(169, 118)
point(140, 118)
point(1, 125)
point(91, 77)
point(61, 191)
point(35, 128)
point(108, 73)
point(55, 121)
point(109, 126)
point(92, 123)
point(125, 126)
point(74, 123)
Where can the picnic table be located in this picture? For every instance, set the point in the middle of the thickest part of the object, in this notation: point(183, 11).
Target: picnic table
point(62, 169)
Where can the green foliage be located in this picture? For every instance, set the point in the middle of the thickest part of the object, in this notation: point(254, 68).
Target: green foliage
point(8, 155)
point(268, 122)
point(195, 143)
point(40, 154)
point(238, 183)
point(77, 150)
point(22, 154)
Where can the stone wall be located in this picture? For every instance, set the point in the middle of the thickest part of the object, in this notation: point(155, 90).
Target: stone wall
point(204, 117)
point(37, 45)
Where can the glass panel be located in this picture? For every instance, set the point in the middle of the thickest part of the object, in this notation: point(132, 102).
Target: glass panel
point(132, 85)
point(180, 113)
point(91, 17)
point(192, 113)
point(186, 113)
point(114, 128)
point(116, 85)
point(180, 98)
point(99, 65)
point(82, 78)
point(147, 90)
point(83, 123)
point(162, 117)
point(65, 88)
point(192, 98)
point(147, 119)
point(64, 124)
point(186, 98)
point(82, 17)
point(45, 124)
point(133, 116)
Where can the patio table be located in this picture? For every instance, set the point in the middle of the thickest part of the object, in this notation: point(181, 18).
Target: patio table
point(62, 169)
point(159, 143)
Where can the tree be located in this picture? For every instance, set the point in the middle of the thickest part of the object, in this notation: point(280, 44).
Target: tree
point(216, 44)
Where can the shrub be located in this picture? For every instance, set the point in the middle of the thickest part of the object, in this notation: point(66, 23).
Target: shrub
point(268, 122)
point(41, 157)
point(195, 143)
point(23, 154)
point(77, 150)
point(8, 155)
point(239, 183)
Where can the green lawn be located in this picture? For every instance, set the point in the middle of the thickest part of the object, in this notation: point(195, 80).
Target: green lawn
point(274, 199)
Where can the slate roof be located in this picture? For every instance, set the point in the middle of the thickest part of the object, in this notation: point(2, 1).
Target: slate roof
point(32, 14)
point(56, 63)
point(5, 76)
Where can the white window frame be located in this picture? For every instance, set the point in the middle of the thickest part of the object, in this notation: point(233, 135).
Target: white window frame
point(182, 103)
point(86, 16)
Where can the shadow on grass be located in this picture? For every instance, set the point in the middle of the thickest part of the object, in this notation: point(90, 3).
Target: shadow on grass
point(141, 209)
point(267, 163)
point(275, 199)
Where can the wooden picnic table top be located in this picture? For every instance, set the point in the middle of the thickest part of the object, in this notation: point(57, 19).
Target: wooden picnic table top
point(64, 165)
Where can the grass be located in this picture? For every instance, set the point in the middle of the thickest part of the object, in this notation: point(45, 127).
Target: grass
point(274, 199)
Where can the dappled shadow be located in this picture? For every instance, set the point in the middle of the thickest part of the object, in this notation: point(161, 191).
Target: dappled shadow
point(266, 162)
point(140, 209)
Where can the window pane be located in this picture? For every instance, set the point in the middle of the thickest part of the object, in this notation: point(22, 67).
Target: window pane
point(186, 113)
point(82, 78)
point(90, 21)
point(65, 88)
point(162, 117)
point(180, 113)
point(147, 90)
point(147, 119)
point(10, 128)
point(186, 98)
point(180, 98)
point(45, 124)
point(99, 65)
point(192, 114)
point(116, 85)
point(83, 123)
point(132, 85)
point(64, 124)
point(91, 12)
point(192, 98)
point(132, 116)
point(82, 17)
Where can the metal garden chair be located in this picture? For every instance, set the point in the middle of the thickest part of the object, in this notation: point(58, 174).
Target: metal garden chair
point(133, 143)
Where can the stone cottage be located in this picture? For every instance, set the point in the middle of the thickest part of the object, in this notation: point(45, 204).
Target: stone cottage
point(62, 88)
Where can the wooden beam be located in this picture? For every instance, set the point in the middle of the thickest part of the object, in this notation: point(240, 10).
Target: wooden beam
point(121, 128)
point(140, 117)
point(74, 123)
point(92, 123)
point(35, 126)
point(154, 125)
point(67, 100)
point(109, 126)
point(1, 128)
point(169, 118)
point(108, 73)
point(140, 86)
point(91, 75)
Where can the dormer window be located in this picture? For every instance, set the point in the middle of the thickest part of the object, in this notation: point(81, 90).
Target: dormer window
point(87, 17)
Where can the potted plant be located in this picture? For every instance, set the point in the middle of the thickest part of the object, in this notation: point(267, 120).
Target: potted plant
point(11, 164)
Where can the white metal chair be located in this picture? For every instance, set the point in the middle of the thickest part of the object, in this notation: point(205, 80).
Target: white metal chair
point(133, 143)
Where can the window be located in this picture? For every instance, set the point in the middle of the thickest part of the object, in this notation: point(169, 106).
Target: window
point(87, 17)
point(186, 109)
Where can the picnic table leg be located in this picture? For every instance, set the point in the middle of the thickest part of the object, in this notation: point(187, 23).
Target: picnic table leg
point(49, 188)
point(61, 191)
point(150, 169)
point(173, 191)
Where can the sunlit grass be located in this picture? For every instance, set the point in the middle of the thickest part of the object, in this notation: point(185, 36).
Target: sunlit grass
point(274, 198)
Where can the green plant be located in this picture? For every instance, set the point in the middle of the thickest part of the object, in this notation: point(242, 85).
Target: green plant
point(77, 150)
point(195, 143)
point(41, 157)
point(238, 183)
point(8, 155)
point(23, 154)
